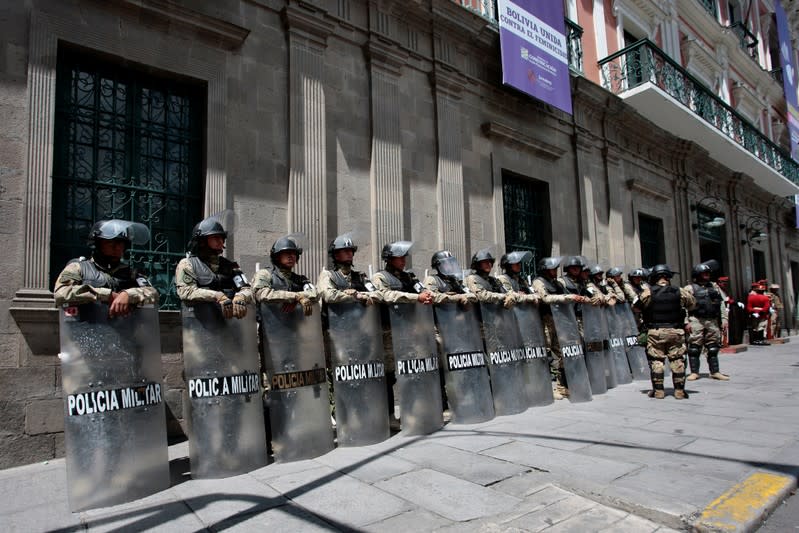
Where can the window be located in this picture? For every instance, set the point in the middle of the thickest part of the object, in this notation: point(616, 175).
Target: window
point(526, 210)
point(650, 231)
point(759, 264)
point(128, 144)
point(711, 237)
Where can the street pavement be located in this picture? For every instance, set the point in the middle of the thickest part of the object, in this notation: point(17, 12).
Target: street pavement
point(623, 462)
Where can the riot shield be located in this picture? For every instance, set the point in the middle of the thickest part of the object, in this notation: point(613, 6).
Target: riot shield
point(359, 374)
point(596, 334)
point(617, 331)
point(506, 359)
point(223, 385)
point(114, 419)
point(538, 377)
point(414, 344)
point(463, 362)
point(636, 354)
point(299, 407)
point(571, 347)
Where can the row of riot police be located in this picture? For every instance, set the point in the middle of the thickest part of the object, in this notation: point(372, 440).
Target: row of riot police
point(491, 341)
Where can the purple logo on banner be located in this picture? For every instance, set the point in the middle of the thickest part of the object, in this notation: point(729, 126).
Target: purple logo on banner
point(532, 37)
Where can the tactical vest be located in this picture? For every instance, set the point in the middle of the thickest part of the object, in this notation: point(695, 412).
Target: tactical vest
point(448, 284)
point(573, 287)
point(294, 283)
point(489, 283)
point(519, 284)
point(552, 287)
point(221, 280)
point(120, 279)
point(665, 309)
point(357, 280)
point(403, 281)
point(708, 301)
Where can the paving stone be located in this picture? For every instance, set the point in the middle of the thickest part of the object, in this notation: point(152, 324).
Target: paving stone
point(631, 524)
point(465, 465)
point(696, 489)
point(523, 485)
point(414, 520)
point(552, 514)
point(366, 465)
point(594, 519)
point(338, 497)
point(215, 500)
point(274, 470)
point(171, 516)
point(541, 499)
point(548, 437)
point(448, 496)
point(730, 434)
point(471, 441)
point(282, 518)
point(563, 463)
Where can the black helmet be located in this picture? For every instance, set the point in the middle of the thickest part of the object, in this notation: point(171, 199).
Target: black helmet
point(289, 242)
point(636, 273)
point(613, 272)
point(217, 224)
point(125, 230)
point(549, 263)
point(446, 264)
point(659, 271)
point(713, 265)
point(699, 269)
point(482, 255)
point(515, 257)
point(596, 269)
point(573, 260)
point(396, 249)
point(342, 242)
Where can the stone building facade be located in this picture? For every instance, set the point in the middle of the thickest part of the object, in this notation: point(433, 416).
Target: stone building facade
point(321, 116)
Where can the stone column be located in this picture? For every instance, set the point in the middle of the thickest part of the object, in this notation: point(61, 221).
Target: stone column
point(385, 175)
point(584, 142)
point(307, 195)
point(447, 88)
point(614, 174)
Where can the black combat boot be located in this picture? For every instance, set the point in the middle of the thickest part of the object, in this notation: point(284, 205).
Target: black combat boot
point(713, 363)
point(694, 353)
point(657, 386)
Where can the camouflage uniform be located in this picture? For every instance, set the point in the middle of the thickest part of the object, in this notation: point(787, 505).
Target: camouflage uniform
point(775, 320)
point(190, 290)
point(71, 288)
point(705, 331)
point(518, 286)
point(488, 289)
point(577, 287)
point(551, 292)
point(666, 340)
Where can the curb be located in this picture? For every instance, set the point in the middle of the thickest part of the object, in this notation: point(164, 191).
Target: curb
point(746, 504)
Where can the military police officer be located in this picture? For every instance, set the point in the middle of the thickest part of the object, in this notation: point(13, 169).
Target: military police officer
point(703, 326)
point(342, 283)
point(486, 287)
point(279, 283)
point(664, 308)
point(513, 281)
point(446, 283)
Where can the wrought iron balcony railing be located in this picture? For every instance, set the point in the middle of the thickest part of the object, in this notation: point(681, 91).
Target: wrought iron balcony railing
point(574, 33)
point(746, 39)
point(710, 6)
point(643, 62)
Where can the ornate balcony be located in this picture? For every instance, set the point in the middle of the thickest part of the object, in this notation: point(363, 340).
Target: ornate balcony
point(746, 39)
point(665, 93)
point(710, 6)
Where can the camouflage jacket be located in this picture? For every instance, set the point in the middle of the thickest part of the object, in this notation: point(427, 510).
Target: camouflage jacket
point(389, 285)
point(275, 285)
point(332, 284)
point(70, 287)
point(189, 287)
point(487, 289)
point(524, 293)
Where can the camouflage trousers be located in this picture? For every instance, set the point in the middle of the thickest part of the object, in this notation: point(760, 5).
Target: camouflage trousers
point(553, 344)
point(666, 343)
point(704, 331)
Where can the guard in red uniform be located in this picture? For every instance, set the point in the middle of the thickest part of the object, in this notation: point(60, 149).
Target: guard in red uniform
point(758, 306)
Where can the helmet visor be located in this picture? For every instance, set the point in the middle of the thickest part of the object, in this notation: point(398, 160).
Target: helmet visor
point(135, 232)
point(519, 257)
point(449, 266)
point(400, 248)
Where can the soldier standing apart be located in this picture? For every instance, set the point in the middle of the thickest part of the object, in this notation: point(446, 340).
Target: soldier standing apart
point(104, 277)
point(703, 323)
point(342, 284)
point(550, 291)
point(205, 276)
point(664, 309)
point(776, 310)
point(758, 306)
point(396, 286)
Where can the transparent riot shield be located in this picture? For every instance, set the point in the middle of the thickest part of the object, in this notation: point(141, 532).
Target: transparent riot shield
point(359, 374)
point(506, 359)
point(223, 390)
point(596, 335)
point(114, 419)
point(299, 407)
point(617, 332)
point(538, 377)
point(463, 362)
point(571, 346)
point(414, 344)
point(636, 354)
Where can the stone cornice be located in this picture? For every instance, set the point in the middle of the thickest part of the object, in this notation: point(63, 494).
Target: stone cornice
point(226, 34)
point(447, 81)
point(385, 55)
point(515, 137)
point(309, 22)
point(646, 189)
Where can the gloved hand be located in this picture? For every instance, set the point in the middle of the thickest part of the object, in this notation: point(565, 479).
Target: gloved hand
point(740, 304)
point(226, 304)
point(510, 301)
point(755, 315)
point(306, 303)
point(239, 306)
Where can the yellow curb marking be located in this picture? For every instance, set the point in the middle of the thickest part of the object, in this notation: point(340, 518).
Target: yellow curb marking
point(744, 501)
